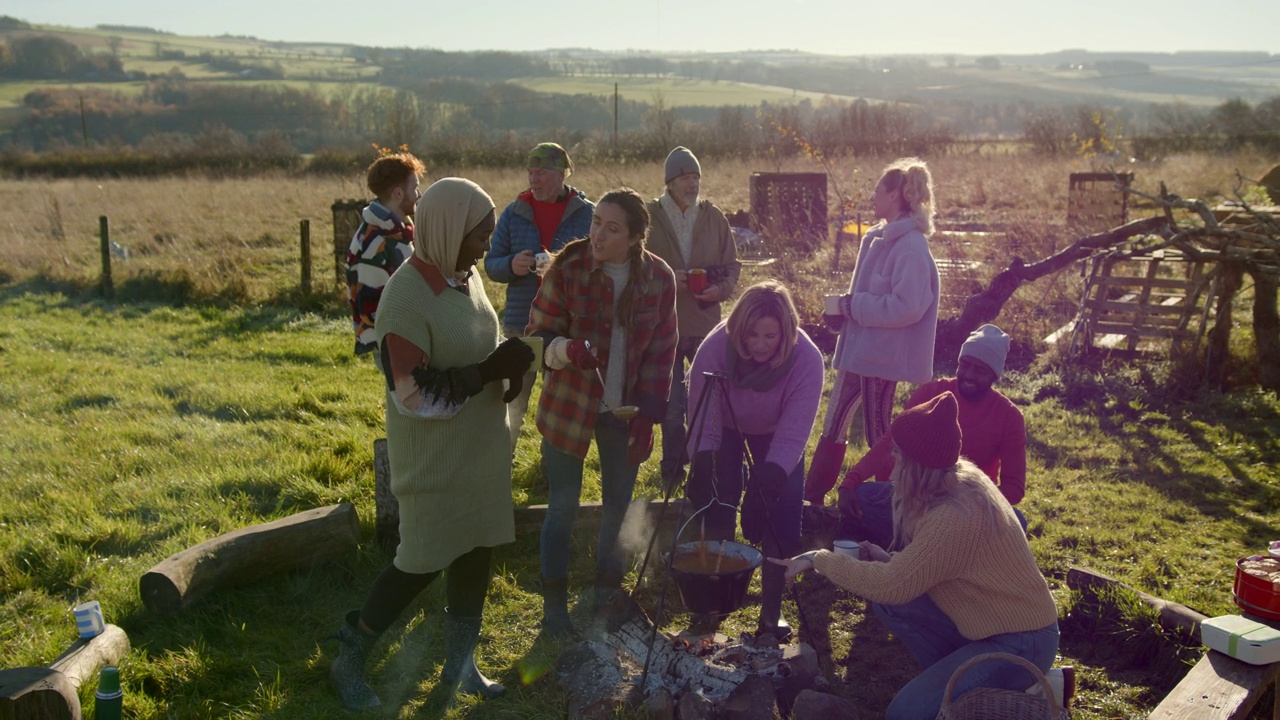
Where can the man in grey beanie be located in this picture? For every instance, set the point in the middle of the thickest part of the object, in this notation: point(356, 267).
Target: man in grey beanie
point(692, 235)
point(994, 438)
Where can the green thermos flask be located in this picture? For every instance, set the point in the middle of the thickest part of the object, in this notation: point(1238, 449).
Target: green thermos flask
point(108, 700)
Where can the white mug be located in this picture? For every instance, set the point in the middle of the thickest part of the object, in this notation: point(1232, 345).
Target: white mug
point(832, 304)
point(851, 548)
point(89, 619)
point(540, 262)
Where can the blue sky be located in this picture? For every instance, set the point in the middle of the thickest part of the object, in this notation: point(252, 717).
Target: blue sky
point(845, 27)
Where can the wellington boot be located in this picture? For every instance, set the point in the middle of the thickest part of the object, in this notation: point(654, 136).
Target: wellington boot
point(460, 636)
point(823, 470)
point(555, 609)
point(347, 673)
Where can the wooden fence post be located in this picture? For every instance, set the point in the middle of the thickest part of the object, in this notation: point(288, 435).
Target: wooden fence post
point(304, 232)
point(107, 287)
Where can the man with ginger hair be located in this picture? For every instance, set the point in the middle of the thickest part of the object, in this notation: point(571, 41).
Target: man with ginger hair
point(691, 234)
point(383, 241)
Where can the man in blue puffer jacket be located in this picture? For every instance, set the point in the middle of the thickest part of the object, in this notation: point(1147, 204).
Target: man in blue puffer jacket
point(542, 219)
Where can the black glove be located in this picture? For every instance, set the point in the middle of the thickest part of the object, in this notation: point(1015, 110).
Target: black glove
point(511, 359)
point(449, 385)
point(769, 477)
point(517, 384)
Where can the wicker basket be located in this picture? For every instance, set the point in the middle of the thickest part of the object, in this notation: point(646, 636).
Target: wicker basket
point(995, 704)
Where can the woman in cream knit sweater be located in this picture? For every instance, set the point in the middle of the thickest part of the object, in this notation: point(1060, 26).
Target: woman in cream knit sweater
point(961, 580)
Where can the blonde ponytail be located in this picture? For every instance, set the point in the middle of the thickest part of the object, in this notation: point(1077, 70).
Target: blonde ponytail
point(910, 176)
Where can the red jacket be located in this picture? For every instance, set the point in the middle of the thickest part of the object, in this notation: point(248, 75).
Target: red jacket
point(994, 437)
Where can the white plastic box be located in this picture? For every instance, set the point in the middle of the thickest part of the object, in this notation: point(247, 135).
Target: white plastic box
point(1243, 639)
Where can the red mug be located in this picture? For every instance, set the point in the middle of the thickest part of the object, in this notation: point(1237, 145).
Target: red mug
point(697, 280)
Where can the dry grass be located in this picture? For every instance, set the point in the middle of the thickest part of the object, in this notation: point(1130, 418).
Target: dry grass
point(238, 239)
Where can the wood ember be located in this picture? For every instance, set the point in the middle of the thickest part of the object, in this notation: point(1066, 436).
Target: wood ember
point(604, 672)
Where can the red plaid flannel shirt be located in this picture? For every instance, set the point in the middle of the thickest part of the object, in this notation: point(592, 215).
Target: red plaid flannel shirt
point(576, 301)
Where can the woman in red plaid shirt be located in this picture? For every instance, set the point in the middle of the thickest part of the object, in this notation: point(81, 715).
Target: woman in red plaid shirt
point(606, 313)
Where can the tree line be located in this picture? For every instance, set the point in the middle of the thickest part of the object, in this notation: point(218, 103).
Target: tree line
point(460, 108)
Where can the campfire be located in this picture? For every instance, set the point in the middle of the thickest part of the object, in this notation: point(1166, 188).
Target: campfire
point(689, 675)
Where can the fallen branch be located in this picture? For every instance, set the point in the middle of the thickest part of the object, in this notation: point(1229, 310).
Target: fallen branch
point(985, 306)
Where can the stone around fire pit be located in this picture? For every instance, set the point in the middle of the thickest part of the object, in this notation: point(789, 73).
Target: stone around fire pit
point(813, 705)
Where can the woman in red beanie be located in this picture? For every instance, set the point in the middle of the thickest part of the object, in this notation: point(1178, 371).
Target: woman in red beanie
point(960, 579)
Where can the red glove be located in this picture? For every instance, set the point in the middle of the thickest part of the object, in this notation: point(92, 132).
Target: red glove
point(639, 439)
point(581, 355)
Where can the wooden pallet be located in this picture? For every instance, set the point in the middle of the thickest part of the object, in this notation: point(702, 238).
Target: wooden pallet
point(1132, 301)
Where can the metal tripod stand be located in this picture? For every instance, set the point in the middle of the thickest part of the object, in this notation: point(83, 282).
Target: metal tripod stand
point(713, 391)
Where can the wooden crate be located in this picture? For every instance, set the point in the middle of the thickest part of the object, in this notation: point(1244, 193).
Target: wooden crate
point(1096, 202)
point(792, 205)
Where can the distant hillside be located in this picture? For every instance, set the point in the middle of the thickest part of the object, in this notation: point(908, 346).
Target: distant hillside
point(1062, 77)
point(147, 88)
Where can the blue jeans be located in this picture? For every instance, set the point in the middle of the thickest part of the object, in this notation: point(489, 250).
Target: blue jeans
point(876, 501)
point(564, 476)
point(938, 647)
point(674, 453)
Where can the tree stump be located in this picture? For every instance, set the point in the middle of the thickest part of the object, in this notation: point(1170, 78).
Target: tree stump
point(250, 554)
point(37, 693)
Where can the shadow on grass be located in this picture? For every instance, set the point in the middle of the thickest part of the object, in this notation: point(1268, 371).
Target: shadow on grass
point(138, 295)
point(1114, 632)
point(1139, 407)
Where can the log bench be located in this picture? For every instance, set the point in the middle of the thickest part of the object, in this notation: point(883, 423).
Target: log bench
point(52, 693)
point(1219, 687)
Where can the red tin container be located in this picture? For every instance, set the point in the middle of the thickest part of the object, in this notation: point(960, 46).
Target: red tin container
point(1256, 595)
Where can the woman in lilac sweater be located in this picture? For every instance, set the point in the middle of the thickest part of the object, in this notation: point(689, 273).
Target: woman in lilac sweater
point(772, 383)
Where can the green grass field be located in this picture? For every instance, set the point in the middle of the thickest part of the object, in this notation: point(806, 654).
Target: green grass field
point(135, 430)
point(211, 395)
point(674, 91)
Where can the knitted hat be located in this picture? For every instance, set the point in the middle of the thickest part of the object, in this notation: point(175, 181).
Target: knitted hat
point(681, 161)
point(550, 156)
point(929, 433)
point(990, 345)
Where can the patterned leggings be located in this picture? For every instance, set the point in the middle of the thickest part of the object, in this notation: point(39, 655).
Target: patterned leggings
point(873, 394)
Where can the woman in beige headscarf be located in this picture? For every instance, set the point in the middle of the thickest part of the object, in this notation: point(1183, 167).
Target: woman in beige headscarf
point(439, 340)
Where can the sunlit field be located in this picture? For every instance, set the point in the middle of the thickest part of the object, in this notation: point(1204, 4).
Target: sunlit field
point(212, 394)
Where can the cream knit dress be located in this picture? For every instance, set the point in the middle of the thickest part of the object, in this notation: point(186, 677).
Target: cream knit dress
point(451, 477)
